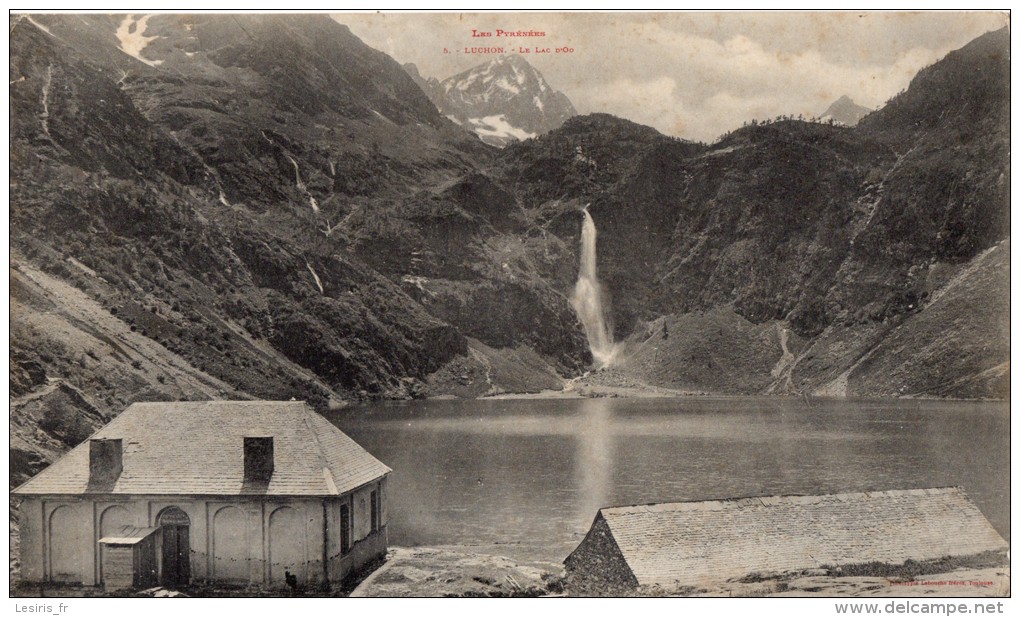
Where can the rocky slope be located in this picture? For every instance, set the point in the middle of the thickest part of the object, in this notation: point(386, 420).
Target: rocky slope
point(502, 101)
point(785, 257)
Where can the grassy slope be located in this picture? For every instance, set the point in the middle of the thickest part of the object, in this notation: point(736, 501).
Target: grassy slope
point(958, 346)
point(953, 346)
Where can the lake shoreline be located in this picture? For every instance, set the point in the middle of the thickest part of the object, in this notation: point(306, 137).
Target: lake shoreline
point(616, 383)
point(460, 571)
point(667, 393)
point(456, 571)
point(601, 384)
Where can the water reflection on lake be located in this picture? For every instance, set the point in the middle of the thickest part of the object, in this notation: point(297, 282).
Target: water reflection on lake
point(531, 474)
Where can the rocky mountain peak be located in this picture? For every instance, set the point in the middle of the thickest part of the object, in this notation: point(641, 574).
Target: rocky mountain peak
point(845, 111)
point(503, 100)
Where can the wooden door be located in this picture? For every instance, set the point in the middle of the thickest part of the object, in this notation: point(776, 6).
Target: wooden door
point(174, 525)
point(145, 570)
point(176, 556)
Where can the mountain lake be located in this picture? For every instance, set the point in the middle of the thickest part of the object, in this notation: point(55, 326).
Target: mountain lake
point(524, 478)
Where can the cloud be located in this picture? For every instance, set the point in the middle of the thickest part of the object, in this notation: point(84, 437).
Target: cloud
point(653, 102)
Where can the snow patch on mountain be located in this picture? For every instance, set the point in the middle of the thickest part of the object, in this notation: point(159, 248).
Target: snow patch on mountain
point(131, 35)
point(506, 85)
point(498, 127)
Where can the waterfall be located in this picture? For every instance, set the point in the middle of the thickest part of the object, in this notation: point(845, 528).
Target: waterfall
point(587, 299)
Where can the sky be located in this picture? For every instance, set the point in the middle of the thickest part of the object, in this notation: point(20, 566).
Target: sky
point(691, 75)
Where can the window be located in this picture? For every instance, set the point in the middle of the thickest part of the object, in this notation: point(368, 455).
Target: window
point(375, 511)
point(345, 529)
point(258, 459)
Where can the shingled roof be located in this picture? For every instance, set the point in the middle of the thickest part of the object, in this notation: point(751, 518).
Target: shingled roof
point(692, 543)
point(197, 448)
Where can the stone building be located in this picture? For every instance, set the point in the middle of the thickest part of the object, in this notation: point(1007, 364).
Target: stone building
point(704, 542)
point(226, 491)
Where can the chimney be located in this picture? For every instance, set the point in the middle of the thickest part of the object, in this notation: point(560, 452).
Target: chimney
point(258, 459)
point(106, 461)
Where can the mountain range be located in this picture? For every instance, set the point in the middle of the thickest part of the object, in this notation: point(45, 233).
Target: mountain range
point(212, 206)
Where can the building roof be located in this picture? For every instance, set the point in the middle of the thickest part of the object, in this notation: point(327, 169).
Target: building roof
point(128, 534)
point(702, 541)
point(197, 448)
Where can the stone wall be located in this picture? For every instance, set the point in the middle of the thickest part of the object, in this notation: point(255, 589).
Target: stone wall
point(238, 540)
point(597, 567)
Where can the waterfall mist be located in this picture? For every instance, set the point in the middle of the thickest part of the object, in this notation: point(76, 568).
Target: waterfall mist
point(587, 299)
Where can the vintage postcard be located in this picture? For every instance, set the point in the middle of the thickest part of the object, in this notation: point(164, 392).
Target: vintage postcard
point(666, 304)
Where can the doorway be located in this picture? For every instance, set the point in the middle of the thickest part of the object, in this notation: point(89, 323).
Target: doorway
point(173, 526)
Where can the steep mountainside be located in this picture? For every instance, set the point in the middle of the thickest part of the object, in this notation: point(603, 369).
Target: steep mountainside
point(837, 237)
point(503, 101)
point(845, 111)
point(221, 191)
